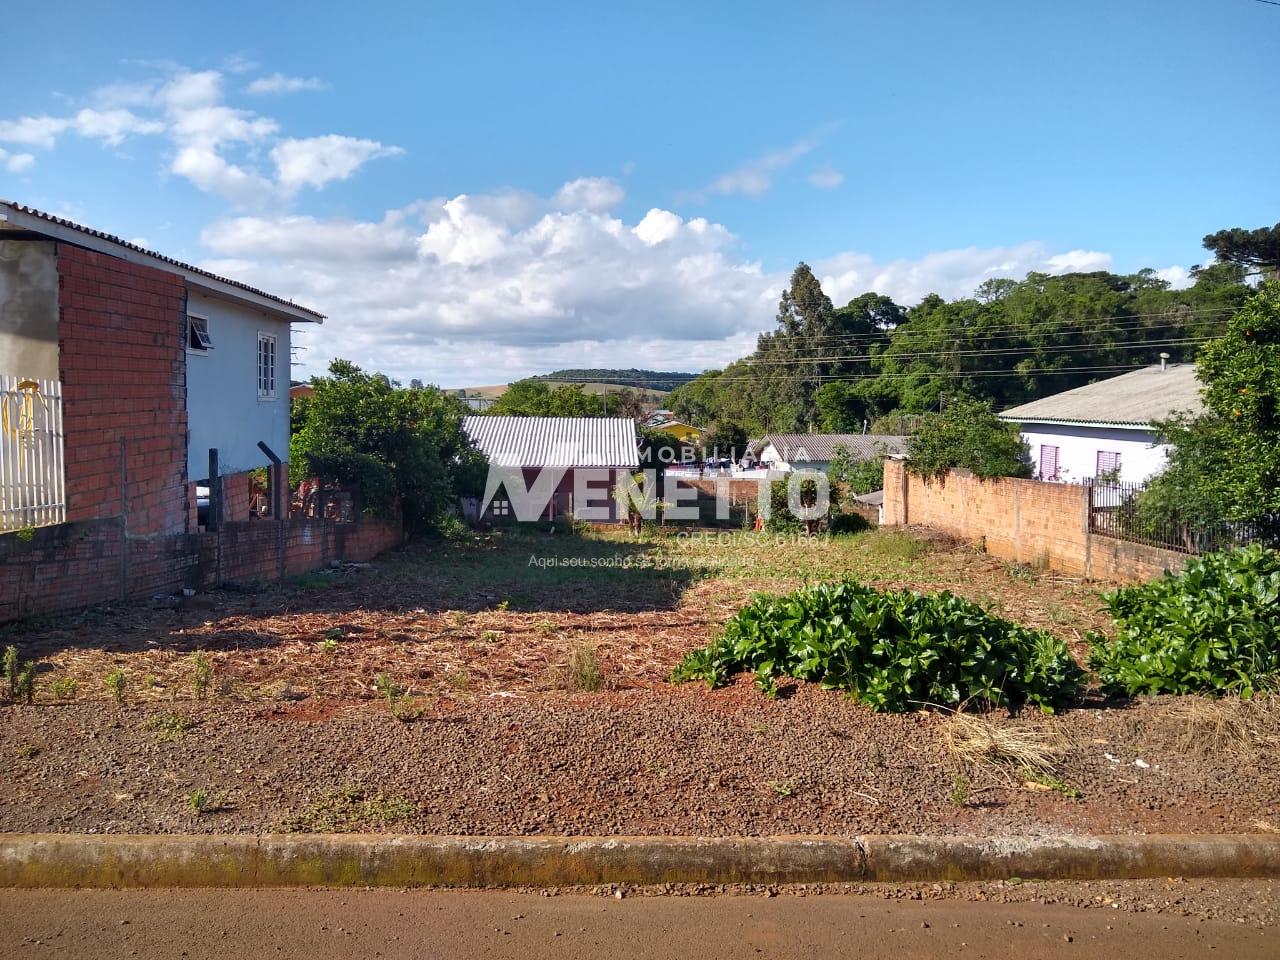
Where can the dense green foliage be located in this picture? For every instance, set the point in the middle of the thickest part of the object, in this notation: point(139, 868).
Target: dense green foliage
point(393, 447)
point(859, 476)
point(640, 379)
point(893, 650)
point(831, 368)
point(1215, 627)
point(532, 398)
point(1225, 463)
point(967, 434)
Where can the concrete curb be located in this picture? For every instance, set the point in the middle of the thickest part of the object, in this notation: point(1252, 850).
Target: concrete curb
point(77, 860)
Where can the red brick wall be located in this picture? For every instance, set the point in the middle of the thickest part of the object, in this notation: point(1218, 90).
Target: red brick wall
point(123, 369)
point(1027, 521)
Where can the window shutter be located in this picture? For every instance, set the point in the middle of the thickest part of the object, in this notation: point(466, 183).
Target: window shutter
point(1048, 462)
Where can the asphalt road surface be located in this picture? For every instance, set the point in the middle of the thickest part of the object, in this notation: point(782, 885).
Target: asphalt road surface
point(323, 924)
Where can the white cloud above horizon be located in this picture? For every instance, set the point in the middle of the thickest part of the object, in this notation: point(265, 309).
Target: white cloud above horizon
point(482, 288)
point(213, 144)
point(279, 83)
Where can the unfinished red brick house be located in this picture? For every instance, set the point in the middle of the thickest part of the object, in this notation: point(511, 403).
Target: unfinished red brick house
point(120, 371)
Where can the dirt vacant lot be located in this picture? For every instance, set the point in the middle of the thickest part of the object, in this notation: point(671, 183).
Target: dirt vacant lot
point(516, 683)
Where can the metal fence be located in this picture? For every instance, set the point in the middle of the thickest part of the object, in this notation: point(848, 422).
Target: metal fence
point(1117, 510)
point(32, 483)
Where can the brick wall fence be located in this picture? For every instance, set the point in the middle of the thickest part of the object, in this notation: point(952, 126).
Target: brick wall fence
point(74, 565)
point(1027, 521)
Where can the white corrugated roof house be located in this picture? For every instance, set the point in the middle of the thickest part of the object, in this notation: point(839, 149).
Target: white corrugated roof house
point(815, 451)
point(1107, 428)
point(585, 453)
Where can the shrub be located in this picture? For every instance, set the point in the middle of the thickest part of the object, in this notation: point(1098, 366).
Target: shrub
point(892, 650)
point(1215, 627)
point(847, 523)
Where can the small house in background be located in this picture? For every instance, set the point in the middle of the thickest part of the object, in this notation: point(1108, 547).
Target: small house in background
point(1106, 429)
point(814, 451)
point(664, 421)
point(584, 457)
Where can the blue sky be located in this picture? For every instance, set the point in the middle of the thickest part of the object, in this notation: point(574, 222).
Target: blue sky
point(402, 170)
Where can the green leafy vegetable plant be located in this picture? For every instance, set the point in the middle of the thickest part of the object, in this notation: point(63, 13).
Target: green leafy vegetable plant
point(892, 650)
point(1214, 628)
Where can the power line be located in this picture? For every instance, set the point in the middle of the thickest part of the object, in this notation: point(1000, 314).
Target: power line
point(1001, 351)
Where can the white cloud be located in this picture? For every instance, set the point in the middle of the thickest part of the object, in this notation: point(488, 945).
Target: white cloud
point(316, 161)
point(826, 178)
point(949, 273)
point(33, 131)
point(1177, 277)
point(279, 83)
point(16, 162)
point(113, 126)
point(216, 146)
point(590, 193)
point(481, 288)
point(658, 226)
point(755, 178)
point(1078, 261)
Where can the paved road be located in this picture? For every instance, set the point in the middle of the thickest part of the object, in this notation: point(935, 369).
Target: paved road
point(318, 925)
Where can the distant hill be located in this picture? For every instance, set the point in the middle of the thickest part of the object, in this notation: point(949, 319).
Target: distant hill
point(656, 380)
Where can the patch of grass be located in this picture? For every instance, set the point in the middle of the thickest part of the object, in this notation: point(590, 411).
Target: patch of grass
point(201, 674)
point(11, 669)
point(893, 545)
point(458, 678)
point(582, 669)
point(982, 741)
point(172, 726)
point(201, 801)
point(348, 811)
point(25, 689)
point(64, 688)
point(1232, 726)
point(312, 581)
point(1022, 572)
point(328, 645)
point(490, 636)
point(116, 681)
point(781, 787)
point(28, 752)
point(961, 790)
point(546, 628)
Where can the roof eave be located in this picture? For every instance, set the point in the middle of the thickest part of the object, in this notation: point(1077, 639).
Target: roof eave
point(64, 232)
point(1068, 422)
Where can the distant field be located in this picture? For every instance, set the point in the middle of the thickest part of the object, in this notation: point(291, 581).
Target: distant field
point(493, 391)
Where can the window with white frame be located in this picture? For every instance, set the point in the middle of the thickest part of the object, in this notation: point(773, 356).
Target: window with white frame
point(502, 508)
point(266, 366)
point(198, 340)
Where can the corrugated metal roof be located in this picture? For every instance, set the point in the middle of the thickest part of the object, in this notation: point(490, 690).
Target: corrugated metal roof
point(1135, 399)
point(798, 447)
point(555, 441)
point(19, 208)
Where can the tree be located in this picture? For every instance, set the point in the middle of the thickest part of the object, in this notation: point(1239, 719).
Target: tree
point(533, 398)
point(860, 476)
point(1224, 465)
point(968, 435)
point(724, 439)
point(1259, 249)
point(391, 446)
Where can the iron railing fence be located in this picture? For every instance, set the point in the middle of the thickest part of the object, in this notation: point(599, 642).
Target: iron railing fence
point(1116, 510)
point(32, 477)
